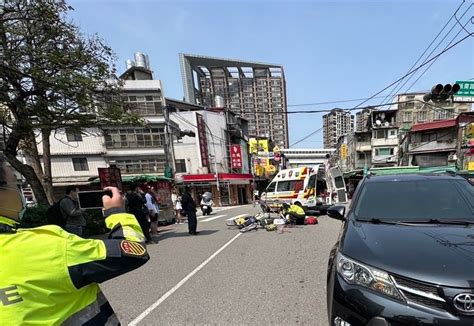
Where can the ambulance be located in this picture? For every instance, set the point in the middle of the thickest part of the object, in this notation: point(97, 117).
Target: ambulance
point(313, 187)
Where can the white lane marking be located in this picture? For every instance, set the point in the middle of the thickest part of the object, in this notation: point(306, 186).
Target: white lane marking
point(177, 286)
point(212, 218)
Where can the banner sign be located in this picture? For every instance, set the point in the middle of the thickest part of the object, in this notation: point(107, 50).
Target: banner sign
point(110, 177)
point(201, 128)
point(236, 156)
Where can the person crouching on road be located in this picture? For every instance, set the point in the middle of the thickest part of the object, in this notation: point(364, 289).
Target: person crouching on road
point(49, 276)
point(72, 214)
point(189, 207)
point(295, 213)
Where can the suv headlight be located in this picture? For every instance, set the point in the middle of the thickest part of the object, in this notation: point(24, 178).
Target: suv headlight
point(375, 279)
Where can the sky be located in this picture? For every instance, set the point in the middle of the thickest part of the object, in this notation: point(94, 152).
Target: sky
point(330, 50)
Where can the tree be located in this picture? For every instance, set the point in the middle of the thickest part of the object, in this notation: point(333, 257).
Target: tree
point(51, 77)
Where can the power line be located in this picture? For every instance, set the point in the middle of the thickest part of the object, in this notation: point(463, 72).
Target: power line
point(332, 102)
point(306, 137)
point(415, 70)
point(208, 131)
point(398, 87)
point(427, 68)
point(347, 110)
point(430, 107)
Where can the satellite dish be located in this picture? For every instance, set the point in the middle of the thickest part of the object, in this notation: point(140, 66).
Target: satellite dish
point(387, 124)
point(378, 122)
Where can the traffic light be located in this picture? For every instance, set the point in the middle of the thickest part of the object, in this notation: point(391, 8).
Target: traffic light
point(440, 93)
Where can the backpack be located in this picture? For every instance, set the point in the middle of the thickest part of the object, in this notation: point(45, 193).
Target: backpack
point(55, 216)
point(311, 220)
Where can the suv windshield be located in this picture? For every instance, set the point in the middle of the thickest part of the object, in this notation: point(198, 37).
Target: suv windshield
point(416, 200)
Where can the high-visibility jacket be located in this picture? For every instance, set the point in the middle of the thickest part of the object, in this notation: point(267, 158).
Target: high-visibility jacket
point(295, 209)
point(49, 276)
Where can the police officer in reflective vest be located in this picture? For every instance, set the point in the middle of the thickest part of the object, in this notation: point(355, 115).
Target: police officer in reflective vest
point(295, 213)
point(49, 276)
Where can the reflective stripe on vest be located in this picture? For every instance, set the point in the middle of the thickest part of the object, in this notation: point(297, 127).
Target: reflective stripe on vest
point(97, 313)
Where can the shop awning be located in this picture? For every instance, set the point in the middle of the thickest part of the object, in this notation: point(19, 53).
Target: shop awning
point(136, 178)
point(434, 125)
point(212, 177)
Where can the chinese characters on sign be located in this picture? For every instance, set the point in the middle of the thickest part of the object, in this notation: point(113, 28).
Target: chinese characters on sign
point(467, 88)
point(110, 177)
point(201, 128)
point(236, 156)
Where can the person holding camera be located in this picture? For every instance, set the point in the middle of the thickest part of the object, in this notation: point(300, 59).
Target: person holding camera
point(72, 214)
point(51, 276)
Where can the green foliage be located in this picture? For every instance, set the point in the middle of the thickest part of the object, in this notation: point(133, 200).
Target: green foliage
point(52, 77)
point(34, 216)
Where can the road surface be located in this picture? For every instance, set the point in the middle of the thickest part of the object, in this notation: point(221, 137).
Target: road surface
point(224, 277)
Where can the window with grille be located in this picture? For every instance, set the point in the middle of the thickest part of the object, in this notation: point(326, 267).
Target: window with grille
point(80, 164)
point(181, 166)
point(149, 105)
point(136, 166)
point(422, 116)
point(407, 117)
point(134, 137)
point(443, 114)
point(73, 135)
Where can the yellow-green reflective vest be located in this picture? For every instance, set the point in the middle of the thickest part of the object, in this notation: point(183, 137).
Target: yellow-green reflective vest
point(49, 276)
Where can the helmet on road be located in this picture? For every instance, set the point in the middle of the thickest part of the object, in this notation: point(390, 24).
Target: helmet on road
point(11, 203)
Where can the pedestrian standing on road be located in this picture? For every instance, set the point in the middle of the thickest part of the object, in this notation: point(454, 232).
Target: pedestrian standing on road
point(72, 214)
point(137, 207)
point(176, 200)
point(49, 276)
point(153, 211)
point(189, 207)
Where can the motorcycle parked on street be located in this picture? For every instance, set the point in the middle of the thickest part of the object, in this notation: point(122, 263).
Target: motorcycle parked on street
point(206, 203)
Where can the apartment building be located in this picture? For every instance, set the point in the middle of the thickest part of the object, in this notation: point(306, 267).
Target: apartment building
point(336, 123)
point(254, 90)
point(413, 110)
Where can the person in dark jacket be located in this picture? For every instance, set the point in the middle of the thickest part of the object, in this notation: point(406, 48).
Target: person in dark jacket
point(72, 214)
point(189, 207)
point(137, 206)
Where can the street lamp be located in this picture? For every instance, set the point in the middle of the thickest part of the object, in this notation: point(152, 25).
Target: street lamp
point(215, 169)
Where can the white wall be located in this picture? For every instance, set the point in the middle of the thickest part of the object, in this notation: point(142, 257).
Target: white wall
point(188, 147)
point(92, 143)
point(63, 167)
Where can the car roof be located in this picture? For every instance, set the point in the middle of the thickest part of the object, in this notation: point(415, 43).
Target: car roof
point(413, 177)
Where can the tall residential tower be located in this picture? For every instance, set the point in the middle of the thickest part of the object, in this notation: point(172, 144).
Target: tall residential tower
point(336, 123)
point(255, 90)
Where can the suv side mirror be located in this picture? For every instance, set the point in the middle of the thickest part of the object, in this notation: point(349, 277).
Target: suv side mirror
point(337, 212)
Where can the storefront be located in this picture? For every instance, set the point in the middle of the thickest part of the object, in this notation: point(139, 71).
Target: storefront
point(234, 188)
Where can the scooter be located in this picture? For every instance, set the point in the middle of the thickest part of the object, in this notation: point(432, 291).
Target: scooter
point(206, 205)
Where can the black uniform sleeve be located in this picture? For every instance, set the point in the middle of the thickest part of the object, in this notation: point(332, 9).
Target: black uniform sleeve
point(96, 261)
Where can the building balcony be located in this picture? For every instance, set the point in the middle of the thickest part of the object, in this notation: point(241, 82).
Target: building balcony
point(364, 146)
point(381, 159)
point(433, 146)
point(384, 142)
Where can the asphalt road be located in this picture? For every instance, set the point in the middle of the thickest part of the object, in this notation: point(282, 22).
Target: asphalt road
point(259, 278)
